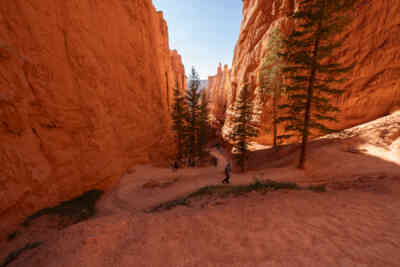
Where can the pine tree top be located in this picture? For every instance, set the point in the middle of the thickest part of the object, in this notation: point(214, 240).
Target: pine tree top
point(310, 66)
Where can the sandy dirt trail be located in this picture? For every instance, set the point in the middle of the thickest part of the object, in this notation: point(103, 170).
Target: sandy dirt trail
point(355, 223)
point(358, 227)
point(130, 195)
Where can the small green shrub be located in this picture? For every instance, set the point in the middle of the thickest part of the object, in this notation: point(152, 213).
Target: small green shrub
point(317, 188)
point(12, 236)
point(224, 191)
point(78, 209)
point(170, 204)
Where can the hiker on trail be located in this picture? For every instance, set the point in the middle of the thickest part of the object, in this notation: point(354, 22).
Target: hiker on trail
point(227, 174)
point(176, 166)
point(171, 165)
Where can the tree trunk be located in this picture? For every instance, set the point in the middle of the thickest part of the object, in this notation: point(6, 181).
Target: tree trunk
point(192, 148)
point(274, 115)
point(310, 95)
point(179, 147)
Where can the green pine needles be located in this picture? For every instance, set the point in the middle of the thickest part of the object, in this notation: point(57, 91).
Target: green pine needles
point(178, 119)
point(244, 128)
point(190, 121)
point(192, 118)
point(204, 126)
point(311, 74)
point(271, 77)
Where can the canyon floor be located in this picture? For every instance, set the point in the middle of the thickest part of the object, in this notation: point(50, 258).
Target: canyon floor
point(356, 222)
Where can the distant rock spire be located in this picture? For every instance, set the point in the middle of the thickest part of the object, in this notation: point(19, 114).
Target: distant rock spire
point(219, 68)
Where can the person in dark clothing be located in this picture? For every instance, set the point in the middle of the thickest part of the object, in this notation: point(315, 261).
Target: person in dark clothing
point(227, 174)
point(176, 166)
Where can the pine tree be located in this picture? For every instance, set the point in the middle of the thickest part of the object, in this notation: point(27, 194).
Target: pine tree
point(192, 116)
point(243, 127)
point(178, 117)
point(311, 72)
point(271, 76)
point(203, 125)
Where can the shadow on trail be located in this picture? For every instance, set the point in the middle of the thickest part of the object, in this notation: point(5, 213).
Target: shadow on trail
point(328, 160)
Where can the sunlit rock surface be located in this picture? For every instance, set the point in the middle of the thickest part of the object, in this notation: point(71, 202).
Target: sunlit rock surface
point(220, 92)
point(85, 89)
point(373, 89)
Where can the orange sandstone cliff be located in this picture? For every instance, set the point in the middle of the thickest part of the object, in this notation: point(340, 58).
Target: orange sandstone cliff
point(373, 89)
point(85, 89)
point(219, 90)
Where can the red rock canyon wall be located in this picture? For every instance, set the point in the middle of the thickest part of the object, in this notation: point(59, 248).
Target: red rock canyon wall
point(220, 94)
point(373, 89)
point(85, 89)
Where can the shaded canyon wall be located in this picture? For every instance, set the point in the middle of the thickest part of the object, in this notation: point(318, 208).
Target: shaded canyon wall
point(85, 89)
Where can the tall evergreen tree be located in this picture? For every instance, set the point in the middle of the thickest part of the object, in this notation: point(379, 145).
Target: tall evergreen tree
point(271, 76)
point(204, 127)
point(243, 127)
point(192, 117)
point(312, 74)
point(178, 117)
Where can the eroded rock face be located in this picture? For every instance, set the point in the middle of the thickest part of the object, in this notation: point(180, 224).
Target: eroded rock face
point(85, 89)
point(373, 89)
point(220, 94)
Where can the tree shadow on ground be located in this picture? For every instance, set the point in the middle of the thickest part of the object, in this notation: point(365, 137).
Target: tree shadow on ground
point(329, 160)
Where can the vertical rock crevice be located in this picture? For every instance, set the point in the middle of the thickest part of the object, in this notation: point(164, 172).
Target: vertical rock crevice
point(373, 42)
point(93, 81)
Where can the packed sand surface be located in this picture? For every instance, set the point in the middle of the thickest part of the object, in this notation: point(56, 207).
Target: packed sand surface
point(355, 223)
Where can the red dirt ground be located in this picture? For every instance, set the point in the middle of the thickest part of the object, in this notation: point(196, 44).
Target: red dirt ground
point(355, 223)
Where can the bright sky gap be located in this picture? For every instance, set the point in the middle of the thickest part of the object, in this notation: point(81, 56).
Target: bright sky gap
point(203, 31)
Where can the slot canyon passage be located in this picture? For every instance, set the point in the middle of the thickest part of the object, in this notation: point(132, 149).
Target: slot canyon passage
point(87, 89)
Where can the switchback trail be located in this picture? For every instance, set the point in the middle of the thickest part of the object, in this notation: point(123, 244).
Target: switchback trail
point(144, 188)
point(355, 223)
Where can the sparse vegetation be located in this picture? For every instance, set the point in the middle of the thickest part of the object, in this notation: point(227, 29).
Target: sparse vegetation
point(222, 191)
point(13, 235)
point(271, 78)
point(14, 255)
point(76, 210)
point(190, 121)
point(317, 188)
point(311, 74)
point(243, 127)
point(70, 212)
point(204, 126)
point(178, 119)
point(192, 117)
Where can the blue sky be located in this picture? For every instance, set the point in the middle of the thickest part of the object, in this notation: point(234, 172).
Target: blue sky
point(203, 31)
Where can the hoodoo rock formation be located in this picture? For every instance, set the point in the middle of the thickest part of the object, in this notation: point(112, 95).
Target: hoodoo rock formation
point(85, 89)
point(373, 88)
point(219, 90)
